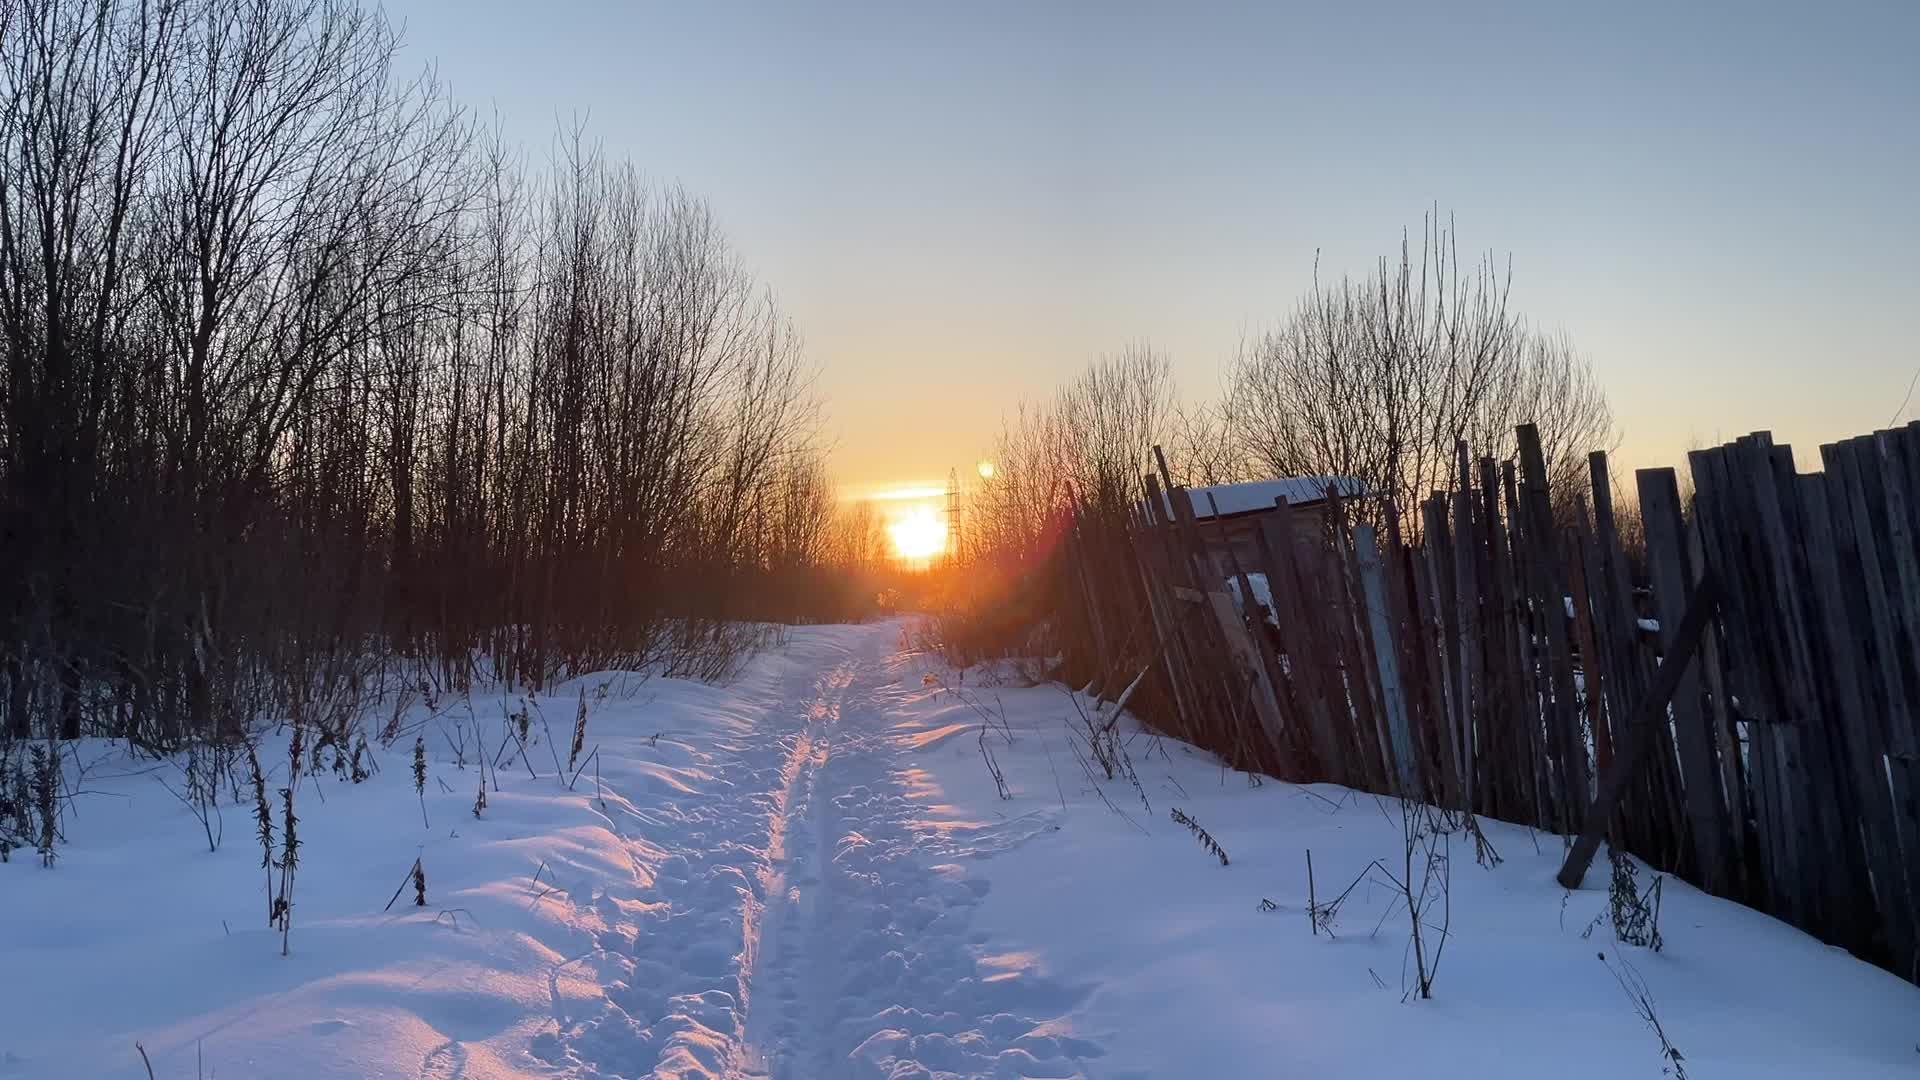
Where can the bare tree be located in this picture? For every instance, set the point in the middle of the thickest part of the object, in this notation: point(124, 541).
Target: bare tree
point(1206, 447)
point(1032, 476)
point(1376, 379)
point(1111, 417)
point(1088, 444)
point(858, 537)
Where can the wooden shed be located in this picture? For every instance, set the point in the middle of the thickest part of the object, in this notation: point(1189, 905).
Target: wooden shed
point(1229, 515)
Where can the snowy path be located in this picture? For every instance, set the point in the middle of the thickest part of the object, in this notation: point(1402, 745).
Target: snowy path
point(876, 958)
point(801, 924)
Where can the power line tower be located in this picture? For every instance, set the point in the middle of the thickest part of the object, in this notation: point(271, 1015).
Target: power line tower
point(953, 515)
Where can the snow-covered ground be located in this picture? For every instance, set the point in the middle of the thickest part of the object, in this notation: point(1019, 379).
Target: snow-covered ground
point(811, 873)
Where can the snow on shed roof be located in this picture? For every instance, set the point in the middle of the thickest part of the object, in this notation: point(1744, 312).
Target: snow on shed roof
point(1259, 494)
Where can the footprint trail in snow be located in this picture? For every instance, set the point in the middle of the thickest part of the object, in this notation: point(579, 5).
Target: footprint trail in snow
point(799, 924)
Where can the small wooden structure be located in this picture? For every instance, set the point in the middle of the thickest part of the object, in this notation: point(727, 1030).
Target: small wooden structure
point(1229, 517)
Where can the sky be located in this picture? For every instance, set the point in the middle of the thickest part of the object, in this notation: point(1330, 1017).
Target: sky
point(962, 205)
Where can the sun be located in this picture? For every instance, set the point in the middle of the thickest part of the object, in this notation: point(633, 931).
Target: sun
point(918, 535)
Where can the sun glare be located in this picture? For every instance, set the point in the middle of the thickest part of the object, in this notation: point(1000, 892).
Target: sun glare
point(918, 534)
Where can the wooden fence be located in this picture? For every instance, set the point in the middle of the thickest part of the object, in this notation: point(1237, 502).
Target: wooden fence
point(1510, 662)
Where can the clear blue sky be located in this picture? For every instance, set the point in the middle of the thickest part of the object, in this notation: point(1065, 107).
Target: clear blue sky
point(961, 204)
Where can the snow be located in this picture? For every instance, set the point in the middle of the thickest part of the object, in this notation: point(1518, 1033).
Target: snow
point(1262, 594)
point(810, 873)
point(1259, 494)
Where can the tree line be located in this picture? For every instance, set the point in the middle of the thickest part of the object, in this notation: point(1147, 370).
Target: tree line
point(307, 373)
point(1373, 378)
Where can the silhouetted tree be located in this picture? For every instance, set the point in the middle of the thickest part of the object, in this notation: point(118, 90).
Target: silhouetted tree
point(1376, 379)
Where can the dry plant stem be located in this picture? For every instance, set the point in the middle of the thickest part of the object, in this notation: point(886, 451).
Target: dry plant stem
point(993, 766)
point(593, 758)
point(1312, 904)
point(404, 882)
point(579, 736)
point(1207, 842)
point(1058, 789)
point(1636, 990)
point(548, 729)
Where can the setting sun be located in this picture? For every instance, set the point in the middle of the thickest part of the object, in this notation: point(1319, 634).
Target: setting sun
point(918, 534)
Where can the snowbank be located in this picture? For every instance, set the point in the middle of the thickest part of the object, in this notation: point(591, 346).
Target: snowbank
point(554, 911)
point(1188, 974)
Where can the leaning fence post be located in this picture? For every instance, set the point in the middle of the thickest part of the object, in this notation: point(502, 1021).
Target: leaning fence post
point(1632, 741)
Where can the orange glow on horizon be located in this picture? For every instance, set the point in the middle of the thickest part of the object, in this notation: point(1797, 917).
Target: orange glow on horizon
point(909, 493)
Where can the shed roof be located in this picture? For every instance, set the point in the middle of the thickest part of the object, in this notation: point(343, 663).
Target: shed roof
point(1257, 495)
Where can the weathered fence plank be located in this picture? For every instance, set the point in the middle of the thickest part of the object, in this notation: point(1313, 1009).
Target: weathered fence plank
point(1672, 578)
point(1386, 653)
point(1550, 600)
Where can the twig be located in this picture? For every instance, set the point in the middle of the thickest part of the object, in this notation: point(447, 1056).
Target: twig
point(542, 895)
point(1324, 914)
point(1903, 401)
point(1097, 790)
point(508, 717)
point(1061, 791)
point(591, 758)
point(987, 718)
point(548, 728)
point(993, 766)
point(1312, 904)
point(1636, 990)
point(481, 738)
point(452, 916)
point(404, 882)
